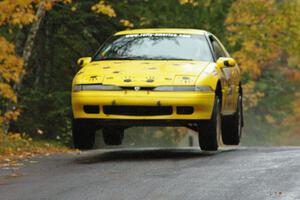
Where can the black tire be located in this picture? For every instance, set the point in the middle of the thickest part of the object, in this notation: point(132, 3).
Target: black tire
point(113, 135)
point(83, 135)
point(232, 125)
point(209, 138)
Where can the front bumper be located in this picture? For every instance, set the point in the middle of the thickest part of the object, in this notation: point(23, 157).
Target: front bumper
point(202, 102)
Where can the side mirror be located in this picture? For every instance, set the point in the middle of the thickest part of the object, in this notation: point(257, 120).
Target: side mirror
point(84, 61)
point(225, 62)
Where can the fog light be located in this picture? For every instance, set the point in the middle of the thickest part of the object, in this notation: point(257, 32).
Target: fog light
point(91, 109)
point(185, 110)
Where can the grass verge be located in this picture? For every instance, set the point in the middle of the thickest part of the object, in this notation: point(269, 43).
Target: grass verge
point(15, 147)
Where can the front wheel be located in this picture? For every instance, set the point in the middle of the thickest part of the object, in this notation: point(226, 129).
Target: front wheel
point(232, 125)
point(83, 135)
point(210, 138)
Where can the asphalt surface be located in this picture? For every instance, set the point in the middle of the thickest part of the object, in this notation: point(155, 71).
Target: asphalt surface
point(159, 174)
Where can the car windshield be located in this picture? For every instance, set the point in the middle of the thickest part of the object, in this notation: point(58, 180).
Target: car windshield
point(155, 47)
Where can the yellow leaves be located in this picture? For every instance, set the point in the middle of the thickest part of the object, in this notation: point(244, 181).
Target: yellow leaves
point(7, 92)
point(67, 1)
point(15, 137)
point(48, 5)
point(293, 120)
point(248, 13)
point(264, 29)
point(12, 115)
point(13, 141)
point(11, 68)
point(21, 12)
point(191, 2)
point(251, 96)
point(126, 23)
point(12, 13)
point(291, 74)
point(16, 12)
point(73, 9)
point(16, 146)
point(104, 8)
point(254, 56)
point(270, 119)
point(144, 21)
point(8, 116)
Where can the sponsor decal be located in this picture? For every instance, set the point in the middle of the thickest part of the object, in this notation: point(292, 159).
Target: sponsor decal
point(158, 35)
point(93, 78)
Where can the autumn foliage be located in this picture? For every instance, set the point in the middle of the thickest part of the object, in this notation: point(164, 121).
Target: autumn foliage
point(15, 147)
point(267, 33)
point(262, 35)
point(12, 14)
point(267, 30)
point(11, 65)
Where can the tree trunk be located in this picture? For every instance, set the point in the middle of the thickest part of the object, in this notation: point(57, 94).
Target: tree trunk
point(27, 51)
point(40, 14)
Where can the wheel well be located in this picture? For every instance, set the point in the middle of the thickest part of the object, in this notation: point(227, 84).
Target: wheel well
point(240, 89)
point(219, 92)
point(241, 93)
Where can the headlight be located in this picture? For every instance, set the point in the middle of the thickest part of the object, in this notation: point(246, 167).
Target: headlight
point(184, 88)
point(95, 87)
point(77, 88)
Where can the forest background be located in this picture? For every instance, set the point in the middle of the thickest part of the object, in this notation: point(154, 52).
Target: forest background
point(41, 40)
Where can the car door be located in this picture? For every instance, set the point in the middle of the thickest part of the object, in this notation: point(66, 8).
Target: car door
point(228, 74)
point(233, 82)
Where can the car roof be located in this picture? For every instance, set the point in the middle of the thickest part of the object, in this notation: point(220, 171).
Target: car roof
point(163, 30)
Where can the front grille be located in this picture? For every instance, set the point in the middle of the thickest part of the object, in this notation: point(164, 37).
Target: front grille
point(138, 88)
point(138, 110)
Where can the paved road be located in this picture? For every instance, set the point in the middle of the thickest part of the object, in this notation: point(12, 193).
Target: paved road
point(160, 174)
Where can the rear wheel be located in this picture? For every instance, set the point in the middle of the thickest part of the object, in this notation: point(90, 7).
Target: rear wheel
point(83, 135)
point(113, 135)
point(232, 125)
point(210, 138)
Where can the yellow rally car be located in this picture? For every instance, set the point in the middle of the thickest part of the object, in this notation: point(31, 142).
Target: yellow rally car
point(158, 77)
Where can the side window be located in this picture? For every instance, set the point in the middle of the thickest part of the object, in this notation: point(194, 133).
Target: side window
point(217, 48)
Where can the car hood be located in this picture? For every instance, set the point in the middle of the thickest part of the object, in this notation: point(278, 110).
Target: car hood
point(141, 73)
